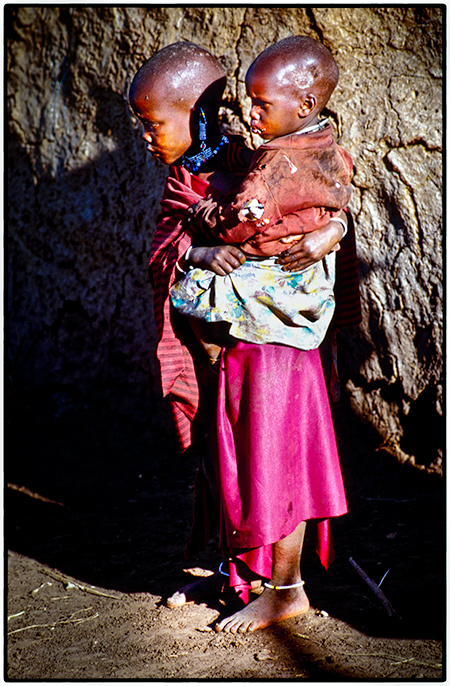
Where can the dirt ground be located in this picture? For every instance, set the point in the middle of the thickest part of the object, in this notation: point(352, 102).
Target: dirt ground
point(98, 511)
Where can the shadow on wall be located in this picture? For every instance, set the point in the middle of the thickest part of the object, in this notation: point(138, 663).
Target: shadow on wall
point(421, 428)
point(79, 299)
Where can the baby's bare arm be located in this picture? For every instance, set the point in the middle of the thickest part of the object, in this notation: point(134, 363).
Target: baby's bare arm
point(313, 246)
point(221, 259)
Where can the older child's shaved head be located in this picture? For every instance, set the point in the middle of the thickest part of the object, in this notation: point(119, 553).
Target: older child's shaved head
point(184, 73)
point(302, 64)
point(167, 93)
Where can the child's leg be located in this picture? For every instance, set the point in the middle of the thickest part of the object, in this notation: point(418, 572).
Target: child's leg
point(275, 605)
point(212, 336)
point(205, 334)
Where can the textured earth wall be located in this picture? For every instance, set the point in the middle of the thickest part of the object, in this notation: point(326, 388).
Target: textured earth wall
point(83, 195)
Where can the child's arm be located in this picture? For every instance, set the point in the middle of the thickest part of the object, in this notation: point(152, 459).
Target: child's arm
point(221, 259)
point(313, 246)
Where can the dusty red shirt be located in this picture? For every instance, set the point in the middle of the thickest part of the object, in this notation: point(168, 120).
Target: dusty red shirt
point(303, 179)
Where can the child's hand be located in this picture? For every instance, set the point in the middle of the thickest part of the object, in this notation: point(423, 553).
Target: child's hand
point(312, 248)
point(221, 259)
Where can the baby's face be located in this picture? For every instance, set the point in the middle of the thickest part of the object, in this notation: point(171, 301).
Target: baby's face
point(274, 109)
point(166, 127)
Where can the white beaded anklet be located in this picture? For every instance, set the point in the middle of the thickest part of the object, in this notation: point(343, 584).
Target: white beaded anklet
point(281, 588)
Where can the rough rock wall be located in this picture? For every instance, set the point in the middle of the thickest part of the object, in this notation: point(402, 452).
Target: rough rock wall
point(83, 194)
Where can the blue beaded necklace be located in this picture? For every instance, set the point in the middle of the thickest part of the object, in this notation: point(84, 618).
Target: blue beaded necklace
point(194, 163)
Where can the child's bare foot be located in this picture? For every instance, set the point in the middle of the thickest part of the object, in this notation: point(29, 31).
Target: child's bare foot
point(197, 591)
point(270, 607)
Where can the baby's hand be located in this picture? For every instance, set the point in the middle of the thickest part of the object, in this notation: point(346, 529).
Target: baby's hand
point(221, 259)
point(312, 248)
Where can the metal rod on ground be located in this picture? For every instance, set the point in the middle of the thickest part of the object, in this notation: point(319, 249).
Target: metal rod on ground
point(373, 586)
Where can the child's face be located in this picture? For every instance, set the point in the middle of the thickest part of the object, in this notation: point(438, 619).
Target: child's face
point(166, 127)
point(275, 110)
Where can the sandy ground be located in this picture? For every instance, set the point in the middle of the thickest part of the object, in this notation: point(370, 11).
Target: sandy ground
point(97, 515)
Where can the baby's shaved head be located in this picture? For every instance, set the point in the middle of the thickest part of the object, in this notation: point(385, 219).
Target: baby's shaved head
point(302, 64)
point(185, 72)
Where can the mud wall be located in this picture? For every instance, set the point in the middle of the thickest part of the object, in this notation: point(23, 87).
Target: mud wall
point(83, 194)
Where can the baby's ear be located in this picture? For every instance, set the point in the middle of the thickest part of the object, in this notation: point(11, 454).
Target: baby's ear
point(307, 105)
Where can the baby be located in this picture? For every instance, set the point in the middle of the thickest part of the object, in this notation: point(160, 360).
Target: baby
point(302, 176)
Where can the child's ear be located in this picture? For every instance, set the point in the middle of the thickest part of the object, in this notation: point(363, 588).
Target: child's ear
point(307, 105)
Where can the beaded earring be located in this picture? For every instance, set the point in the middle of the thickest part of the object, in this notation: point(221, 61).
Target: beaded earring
point(202, 129)
point(194, 163)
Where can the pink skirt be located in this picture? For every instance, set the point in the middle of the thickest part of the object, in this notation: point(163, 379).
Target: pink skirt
point(277, 458)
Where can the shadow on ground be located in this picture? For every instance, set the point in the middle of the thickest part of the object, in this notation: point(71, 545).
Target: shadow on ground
point(108, 501)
